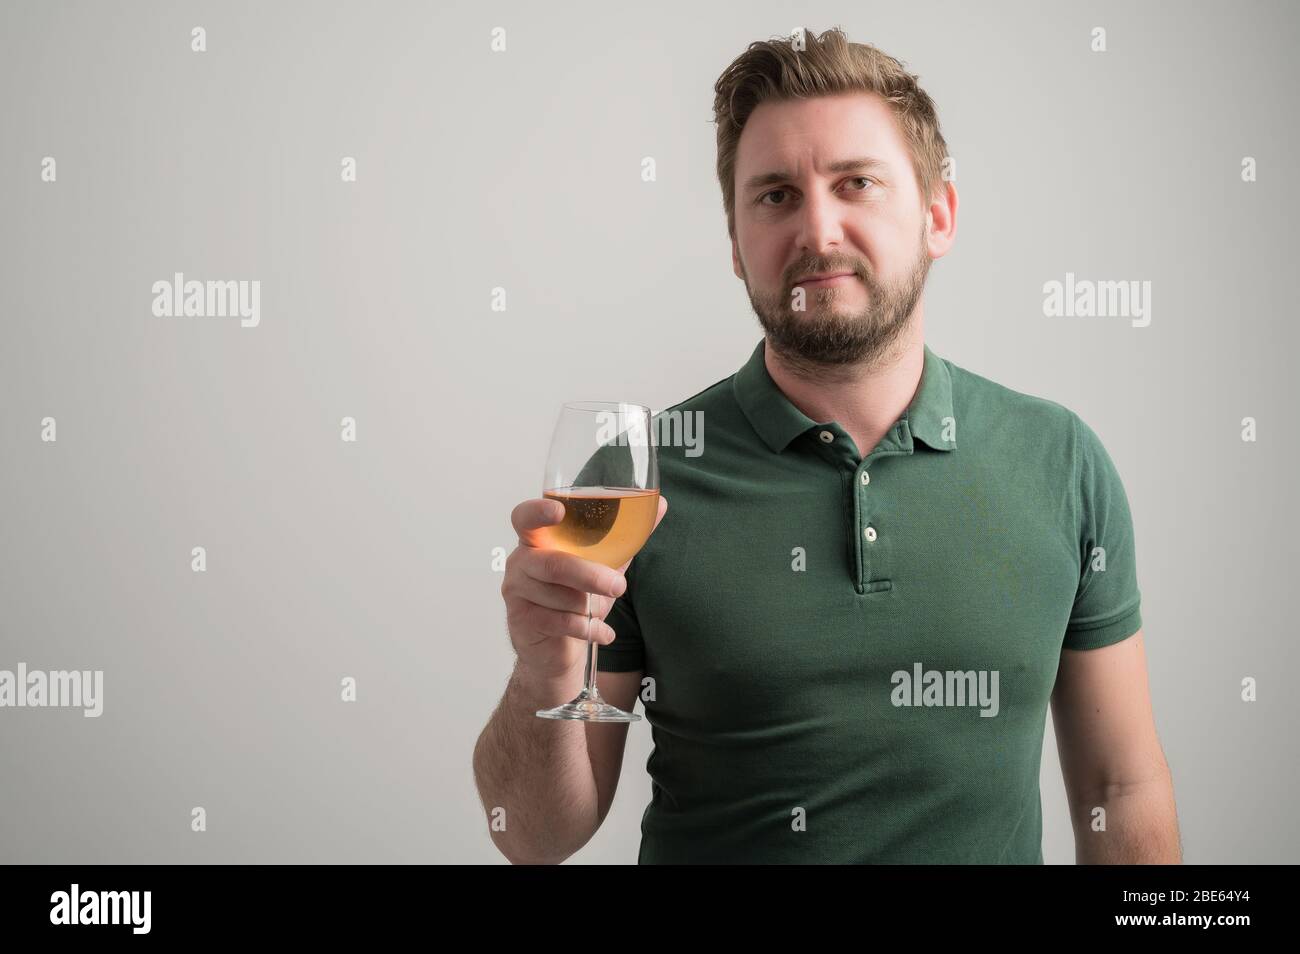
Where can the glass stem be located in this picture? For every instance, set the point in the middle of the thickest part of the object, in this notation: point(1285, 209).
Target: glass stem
point(589, 678)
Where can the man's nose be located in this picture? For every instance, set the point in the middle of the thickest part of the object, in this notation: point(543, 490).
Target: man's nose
point(821, 227)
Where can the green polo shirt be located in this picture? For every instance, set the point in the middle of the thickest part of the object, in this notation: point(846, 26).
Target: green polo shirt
point(852, 657)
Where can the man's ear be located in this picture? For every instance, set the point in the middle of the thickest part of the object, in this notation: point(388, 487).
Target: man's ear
point(735, 259)
point(941, 221)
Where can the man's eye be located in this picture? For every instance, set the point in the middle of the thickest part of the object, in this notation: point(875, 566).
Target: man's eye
point(761, 198)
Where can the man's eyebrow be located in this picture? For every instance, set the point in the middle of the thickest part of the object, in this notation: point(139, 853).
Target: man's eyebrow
point(842, 165)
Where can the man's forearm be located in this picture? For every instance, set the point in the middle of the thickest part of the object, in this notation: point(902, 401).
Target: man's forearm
point(537, 772)
point(1141, 825)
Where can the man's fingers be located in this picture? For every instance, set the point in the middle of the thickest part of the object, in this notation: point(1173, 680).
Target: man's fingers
point(548, 623)
point(586, 576)
point(663, 509)
point(563, 598)
point(531, 515)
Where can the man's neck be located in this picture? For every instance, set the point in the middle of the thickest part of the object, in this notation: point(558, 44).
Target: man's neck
point(866, 400)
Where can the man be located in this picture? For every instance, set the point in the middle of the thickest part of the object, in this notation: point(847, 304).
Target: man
point(878, 574)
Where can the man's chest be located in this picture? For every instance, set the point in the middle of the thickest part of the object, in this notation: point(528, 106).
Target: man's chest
point(775, 603)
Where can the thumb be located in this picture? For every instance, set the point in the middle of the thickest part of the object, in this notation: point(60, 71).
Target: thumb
point(663, 509)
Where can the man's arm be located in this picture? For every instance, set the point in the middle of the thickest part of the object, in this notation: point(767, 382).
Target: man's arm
point(555, 779)
point(1111, 757)
point(607, 740)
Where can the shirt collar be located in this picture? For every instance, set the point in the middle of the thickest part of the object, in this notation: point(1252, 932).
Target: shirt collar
point(778, 421)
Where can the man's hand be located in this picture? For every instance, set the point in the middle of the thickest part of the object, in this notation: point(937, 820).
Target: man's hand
point(545, 592)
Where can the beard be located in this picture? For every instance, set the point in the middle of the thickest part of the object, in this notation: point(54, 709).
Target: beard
point(824, 334)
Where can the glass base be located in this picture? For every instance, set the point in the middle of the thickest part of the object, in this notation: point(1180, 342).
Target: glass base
point(589, 708)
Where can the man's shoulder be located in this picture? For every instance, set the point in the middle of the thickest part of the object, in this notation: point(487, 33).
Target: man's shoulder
point(981, 399)
point(713, 397)
point(680, 428)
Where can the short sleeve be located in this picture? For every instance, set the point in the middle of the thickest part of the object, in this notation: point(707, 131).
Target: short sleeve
point(1106, 603)
point(626, 653)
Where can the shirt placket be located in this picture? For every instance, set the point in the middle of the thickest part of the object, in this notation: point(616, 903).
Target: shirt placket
point(868, 515)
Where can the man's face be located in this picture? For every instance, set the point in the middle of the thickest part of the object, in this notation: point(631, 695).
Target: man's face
point(813, 217)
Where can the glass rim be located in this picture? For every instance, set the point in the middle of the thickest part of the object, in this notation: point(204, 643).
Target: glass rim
point(605, 406)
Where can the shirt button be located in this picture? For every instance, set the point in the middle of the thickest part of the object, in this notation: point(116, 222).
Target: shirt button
point(866, 478)
point(826, 436)
point(870, 534)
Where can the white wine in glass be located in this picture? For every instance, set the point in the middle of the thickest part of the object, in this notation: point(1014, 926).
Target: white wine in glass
point(602, 468)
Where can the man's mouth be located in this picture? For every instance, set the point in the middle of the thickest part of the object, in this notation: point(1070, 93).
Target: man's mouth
point(821, 279)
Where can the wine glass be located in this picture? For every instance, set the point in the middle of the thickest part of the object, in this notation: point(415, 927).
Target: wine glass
point(602, 467)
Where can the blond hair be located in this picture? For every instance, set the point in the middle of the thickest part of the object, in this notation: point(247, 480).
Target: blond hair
point(827, 65)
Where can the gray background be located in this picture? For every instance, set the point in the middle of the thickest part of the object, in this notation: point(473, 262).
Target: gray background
point(522, 170)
